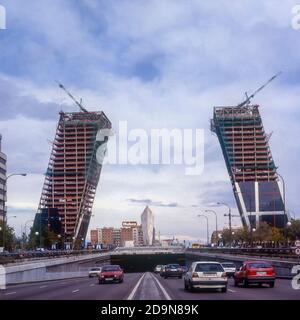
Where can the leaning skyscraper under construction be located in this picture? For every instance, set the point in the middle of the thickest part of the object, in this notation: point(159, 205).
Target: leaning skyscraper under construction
point(72, 176)
point(250, 164)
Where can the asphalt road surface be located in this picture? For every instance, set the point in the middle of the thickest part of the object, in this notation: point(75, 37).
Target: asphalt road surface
point(141, 286)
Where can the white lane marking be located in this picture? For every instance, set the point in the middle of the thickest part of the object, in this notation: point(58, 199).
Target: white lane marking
point(74, 291)
point(131, 295)
point(9, 293)
point(91, 285)
point(162, 288)
point(41, 287)
point(231, 290)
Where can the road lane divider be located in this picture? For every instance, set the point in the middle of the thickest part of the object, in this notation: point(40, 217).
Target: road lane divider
point(74, 291)
point(165, 293)
point(10, 293)
point(134, 290)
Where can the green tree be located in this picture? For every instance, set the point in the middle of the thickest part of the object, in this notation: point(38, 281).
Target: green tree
point(293, 230)
point(42, 239)
point(263, 232)
point(277, 235)
point(7, 235)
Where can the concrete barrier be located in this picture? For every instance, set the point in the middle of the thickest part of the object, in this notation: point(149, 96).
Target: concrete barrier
point(57, 269)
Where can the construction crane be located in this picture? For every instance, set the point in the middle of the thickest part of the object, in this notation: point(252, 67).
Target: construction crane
point(79, 104)
point(248, 98)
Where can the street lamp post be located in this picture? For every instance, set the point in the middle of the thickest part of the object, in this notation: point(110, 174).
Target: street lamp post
point(230, 222)
point(207, 231)
point(4, 214)
point(214, 212)
point(25, 228)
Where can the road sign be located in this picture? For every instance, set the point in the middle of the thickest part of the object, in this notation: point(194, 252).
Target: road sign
point(297, 251)
point(297, 243)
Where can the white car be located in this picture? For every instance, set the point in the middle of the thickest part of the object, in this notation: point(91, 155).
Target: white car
point(229, 268)
point(158, 268)
point(93, 272)
point(204, 275)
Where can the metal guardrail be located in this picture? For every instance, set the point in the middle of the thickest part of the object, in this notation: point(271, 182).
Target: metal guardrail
point(6, 258)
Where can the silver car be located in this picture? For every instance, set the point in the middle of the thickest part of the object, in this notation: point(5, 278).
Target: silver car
point(205, 275)
point(229, 268)
point(93, 272)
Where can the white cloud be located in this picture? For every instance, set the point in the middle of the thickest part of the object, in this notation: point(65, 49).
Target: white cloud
point(198, 55)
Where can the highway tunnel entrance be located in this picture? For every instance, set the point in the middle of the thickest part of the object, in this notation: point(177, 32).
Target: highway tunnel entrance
point(145, 262)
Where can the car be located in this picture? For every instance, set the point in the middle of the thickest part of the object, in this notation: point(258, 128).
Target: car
point(173, 270)
point(206, 275)
point(93, 272)
point(158, 268)
point(184, 269)
point(255, 272)
point(229, 268)
point(162, 271)
point(111, 273)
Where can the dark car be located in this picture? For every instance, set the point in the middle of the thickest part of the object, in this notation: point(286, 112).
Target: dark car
point(173, 270)
point(255, 272)
point(111, 273)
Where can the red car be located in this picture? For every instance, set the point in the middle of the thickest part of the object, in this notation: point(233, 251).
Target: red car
point(111, 273)
point(255, 272)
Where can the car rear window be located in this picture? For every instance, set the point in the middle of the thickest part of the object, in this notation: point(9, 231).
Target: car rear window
point(259, 265)
point(95, 269)
point(173, 266)
point(111, 268)
point(208, 267)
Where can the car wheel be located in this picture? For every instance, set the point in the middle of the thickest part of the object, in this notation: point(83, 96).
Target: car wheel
point(186, 286)
point(224, 290)
point(100, 282)
point(165, 277)
point(236, 284)
point(245, 283)
point(121, 280)
point(180, 277)
point(190, 287)
point(272, 284)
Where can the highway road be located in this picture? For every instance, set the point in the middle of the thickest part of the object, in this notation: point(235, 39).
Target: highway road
point(141, 286)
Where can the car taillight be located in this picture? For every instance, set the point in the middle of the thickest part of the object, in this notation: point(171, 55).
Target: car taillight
point(271, 272)
point(251, 272)
point(195, 275)
point(224, 275)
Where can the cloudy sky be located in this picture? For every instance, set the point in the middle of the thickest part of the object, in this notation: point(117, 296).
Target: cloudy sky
point(155, 64)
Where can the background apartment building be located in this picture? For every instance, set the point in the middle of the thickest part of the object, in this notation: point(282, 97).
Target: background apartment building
point(131, 233)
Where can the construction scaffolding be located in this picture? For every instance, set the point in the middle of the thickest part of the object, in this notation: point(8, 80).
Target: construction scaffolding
point(250, 165)
point(73, 173)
